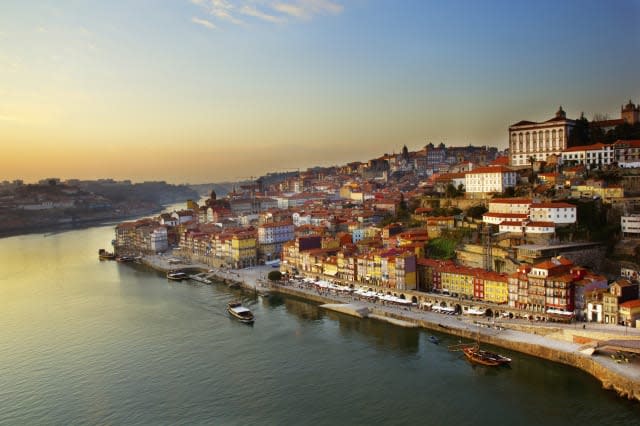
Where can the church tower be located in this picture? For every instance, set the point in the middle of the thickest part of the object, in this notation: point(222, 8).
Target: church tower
point(630, 113)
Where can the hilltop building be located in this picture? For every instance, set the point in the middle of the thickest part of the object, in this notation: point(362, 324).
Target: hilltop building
point(531, 140)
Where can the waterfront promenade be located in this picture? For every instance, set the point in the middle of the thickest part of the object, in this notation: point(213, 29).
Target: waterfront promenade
point(564, 343)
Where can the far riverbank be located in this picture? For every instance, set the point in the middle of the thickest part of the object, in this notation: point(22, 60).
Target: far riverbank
point(556, 343)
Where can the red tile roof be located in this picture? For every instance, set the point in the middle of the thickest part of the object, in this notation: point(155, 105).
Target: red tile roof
point(541, 224)
point(500, 161)
point(592, 147)
point(489, 169)
point(511, 200)
point(633, 143)
point(552, 205)
point(507, 215)
point(631, 304)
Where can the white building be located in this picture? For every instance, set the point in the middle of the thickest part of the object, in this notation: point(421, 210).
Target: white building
point(595, 155)
point(498, 218)
point(489, 179)
point(627, 153)
point(630, 225)
point(182, 216)
point(509, 226)
point(300, 219)
point(280, 232)
point(527, 227)
point(158, 240)
point(540, 228)
point(510, 205)
point(535, 216)
point(558, 213)
point(529, 139)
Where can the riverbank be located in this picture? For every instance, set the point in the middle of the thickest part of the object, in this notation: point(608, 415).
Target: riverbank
point(558, 343)
point(75, 223)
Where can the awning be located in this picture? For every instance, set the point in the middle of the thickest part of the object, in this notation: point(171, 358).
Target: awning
point(332, 273)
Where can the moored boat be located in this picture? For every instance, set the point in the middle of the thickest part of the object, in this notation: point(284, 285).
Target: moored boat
point(434, 340)
point(177, 275)
point(106, 255)
point(240, 313)
point(480, 356)
point(125, 259)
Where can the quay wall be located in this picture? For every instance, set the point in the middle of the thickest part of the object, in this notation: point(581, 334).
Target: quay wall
point(610, 379)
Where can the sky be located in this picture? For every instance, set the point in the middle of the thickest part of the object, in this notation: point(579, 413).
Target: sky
point(215, 90)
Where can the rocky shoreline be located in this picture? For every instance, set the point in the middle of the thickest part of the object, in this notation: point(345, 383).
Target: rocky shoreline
point(536, 340)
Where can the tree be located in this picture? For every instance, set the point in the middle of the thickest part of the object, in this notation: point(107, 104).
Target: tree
point(580, 133)
point(274, 276)
point(532, 161)
point(453, 192)
point(509, 192)
point(477, 211)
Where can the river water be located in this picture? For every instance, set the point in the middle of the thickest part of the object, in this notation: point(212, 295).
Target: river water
point(90, 342)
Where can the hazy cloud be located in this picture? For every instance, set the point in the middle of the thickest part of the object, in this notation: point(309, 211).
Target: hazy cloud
point(305, 9)
point(291, 10)
point(203, 22)
point(273, 11)
point(252, 11)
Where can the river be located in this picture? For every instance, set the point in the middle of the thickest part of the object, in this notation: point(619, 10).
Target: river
point(90, 342)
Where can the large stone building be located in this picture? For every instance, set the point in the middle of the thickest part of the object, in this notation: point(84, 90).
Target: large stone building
point(484, 180)
point(528, 139)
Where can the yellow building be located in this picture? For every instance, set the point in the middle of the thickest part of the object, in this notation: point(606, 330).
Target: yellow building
point(243, 250)
point(192, 205)
point(375, 268)
point(457, 280)
point(496, 288)
point(630, 312)
point(330, 267)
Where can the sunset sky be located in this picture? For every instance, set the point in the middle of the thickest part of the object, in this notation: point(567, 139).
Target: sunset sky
point(212, 90)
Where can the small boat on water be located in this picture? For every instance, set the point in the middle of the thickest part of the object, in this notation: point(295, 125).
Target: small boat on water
point(480, 356)
point(240, 313)
point(125, 259)
point(177, 275)
point(106, 255)
point(434, 340)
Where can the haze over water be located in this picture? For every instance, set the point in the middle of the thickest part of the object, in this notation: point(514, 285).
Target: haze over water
point(90, 342)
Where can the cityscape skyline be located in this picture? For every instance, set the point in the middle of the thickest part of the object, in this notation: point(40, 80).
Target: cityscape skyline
point(201, 91)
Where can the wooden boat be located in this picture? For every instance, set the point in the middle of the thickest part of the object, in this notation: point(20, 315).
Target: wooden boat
point(106, 255)
point(125, 259)
point(482, 357)
point(176, 275)
point(240, 313)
